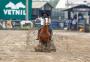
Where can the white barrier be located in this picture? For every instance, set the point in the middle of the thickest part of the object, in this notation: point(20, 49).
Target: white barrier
point(26, 22)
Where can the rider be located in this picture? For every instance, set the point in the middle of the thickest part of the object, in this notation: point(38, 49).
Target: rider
point(46, 21)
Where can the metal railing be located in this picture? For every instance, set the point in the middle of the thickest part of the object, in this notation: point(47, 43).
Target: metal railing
point(15, 24)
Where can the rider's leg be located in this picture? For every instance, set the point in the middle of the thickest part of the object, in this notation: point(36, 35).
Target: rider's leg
point(38, 34)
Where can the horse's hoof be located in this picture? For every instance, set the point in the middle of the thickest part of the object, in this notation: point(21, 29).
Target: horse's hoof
point(54, 50)
point(37, 50)
point(37, 39)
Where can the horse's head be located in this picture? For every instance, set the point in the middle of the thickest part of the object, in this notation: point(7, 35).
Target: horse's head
point(44, 28)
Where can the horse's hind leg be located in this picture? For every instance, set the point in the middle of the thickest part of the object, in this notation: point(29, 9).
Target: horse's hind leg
point(44, 46)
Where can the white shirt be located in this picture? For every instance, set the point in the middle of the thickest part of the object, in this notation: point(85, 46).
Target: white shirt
point(47, 21)
point(42, 21)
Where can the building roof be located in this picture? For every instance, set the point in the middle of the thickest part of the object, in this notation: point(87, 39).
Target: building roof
point(63, 3)
point(78, 6)
point(38, 4)
point(79, 1)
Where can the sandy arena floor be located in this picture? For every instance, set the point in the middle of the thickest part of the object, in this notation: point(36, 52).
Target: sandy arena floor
point(18, 46)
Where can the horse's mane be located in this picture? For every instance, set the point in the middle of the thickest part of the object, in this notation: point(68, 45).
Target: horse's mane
point(45, 28)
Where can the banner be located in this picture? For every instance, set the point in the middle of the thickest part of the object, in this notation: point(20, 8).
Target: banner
point(14, 9)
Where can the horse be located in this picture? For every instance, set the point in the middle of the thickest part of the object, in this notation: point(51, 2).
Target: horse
point(44, 39)
point(44, 35)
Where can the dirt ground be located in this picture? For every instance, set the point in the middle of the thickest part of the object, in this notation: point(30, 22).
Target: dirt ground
point(18, 46)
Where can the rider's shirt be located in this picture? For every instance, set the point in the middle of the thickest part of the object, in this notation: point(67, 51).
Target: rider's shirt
point(47, 21)
point(42, 21)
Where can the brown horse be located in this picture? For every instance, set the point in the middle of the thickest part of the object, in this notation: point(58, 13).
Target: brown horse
point(45, 43)
point(44, 35)
point(44, 38)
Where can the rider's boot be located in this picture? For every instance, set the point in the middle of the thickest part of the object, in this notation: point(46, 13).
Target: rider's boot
point(38, 35)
